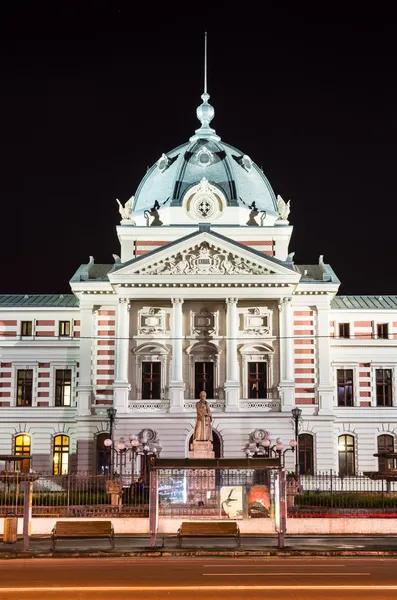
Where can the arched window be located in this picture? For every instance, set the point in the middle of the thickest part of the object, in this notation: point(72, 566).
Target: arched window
point(22, 448)
point(103, 454)
point(306, 457)
point(386, 445)
point(60, 457)
point(346, 455)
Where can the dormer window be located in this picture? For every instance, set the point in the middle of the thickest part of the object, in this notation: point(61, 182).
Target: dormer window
point(244, 161)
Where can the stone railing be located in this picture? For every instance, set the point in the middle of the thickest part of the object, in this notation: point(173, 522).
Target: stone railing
point(264, 404)
point(149, 406)
point(215, 405)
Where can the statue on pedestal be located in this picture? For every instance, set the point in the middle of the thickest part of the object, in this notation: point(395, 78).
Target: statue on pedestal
point(203, 429)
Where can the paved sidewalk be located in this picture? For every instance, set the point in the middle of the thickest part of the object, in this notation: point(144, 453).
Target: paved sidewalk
point(167, 546)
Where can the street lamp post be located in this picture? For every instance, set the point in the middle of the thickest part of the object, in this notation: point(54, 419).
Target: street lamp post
point(111, 412)
point(296, 416)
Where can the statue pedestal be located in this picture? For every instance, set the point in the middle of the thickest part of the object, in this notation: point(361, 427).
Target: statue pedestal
point(201, 450)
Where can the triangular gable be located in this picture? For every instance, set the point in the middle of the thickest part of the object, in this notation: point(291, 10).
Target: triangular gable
point(204, 253)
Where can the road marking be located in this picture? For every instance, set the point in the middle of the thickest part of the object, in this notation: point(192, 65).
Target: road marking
point(191, 588)
point(281, 573)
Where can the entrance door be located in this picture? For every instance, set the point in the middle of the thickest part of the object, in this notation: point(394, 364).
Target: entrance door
point(204, 379)
point(257, 380)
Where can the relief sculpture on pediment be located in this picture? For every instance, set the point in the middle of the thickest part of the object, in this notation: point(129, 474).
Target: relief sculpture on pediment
point(204, 260)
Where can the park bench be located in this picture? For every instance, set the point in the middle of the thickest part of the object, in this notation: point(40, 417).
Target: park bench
point(82, 529)
point(209, 529)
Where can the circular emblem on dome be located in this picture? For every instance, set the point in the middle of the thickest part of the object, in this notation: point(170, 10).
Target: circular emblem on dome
point(204, 157)
point(204, 202)
point(246, 162)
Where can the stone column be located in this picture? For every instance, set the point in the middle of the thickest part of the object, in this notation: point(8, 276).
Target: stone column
point(121, 384)
point(177, 385)
point(84, 389)
point(287, 383)
point(232, 383)
point(325, 387)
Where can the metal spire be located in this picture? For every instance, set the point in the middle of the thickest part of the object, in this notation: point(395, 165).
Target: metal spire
point(205, 112)
point(205, 63)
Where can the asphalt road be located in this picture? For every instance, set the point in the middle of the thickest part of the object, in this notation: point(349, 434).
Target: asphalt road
point(199, 578)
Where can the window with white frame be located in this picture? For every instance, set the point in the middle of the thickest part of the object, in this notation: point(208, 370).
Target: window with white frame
point(345, 387)
point(346, 455)
point(384, 390)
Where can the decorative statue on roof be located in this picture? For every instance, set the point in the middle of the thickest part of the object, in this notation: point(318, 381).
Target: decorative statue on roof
point(283, 208)
point(203, 429)
point(154, 212)
point(126, 210)
point(254, 213)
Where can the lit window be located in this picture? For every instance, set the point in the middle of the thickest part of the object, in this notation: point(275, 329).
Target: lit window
point(61, 455)
point(64, 328)
point(26, 327)
point(63, 387)
point(346, 455)
point(344, 330)
point(22, 448)
point(24, 387)
point(345, 387)
point(383, 387)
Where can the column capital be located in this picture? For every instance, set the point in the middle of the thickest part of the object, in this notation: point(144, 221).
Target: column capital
point(124, 302)
point(177, 300)
point(231, 300)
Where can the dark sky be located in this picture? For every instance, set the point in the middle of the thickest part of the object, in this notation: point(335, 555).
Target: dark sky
point(88, 102)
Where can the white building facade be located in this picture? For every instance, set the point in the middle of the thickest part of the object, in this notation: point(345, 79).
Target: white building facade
point(204, 295)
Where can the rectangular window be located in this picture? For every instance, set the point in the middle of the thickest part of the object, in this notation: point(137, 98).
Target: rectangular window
point(63, 387)
point(257, 380)
point(24, 387)
point(345, 387)
point(382, 330)
point(151, 380)
point(344, 330)
point(64, 328)
point(26, 328)
point(384, 387)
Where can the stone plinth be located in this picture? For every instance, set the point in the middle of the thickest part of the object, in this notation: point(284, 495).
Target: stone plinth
point(200, 449)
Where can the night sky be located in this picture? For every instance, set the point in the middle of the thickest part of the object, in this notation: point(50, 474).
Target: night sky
point(88, 102)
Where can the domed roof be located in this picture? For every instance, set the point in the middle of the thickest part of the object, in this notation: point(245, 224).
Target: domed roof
point(239, 179)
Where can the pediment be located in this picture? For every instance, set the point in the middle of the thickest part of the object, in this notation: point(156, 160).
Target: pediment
point(204, 254)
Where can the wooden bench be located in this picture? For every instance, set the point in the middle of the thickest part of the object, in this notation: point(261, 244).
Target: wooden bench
point(208, 529)
point(82, 529)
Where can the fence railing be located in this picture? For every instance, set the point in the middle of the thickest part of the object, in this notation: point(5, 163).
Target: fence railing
point(74, 495)
point(199, 493)
point(329, 493)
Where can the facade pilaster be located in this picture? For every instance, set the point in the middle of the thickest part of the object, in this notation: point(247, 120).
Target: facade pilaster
point(84, 399)
point(121, 384)
point(325, 387)
point(177, 385)
point(232, 383)
point(287, 382)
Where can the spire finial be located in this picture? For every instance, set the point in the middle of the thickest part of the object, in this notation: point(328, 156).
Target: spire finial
point(205, 112)
point(205, 63)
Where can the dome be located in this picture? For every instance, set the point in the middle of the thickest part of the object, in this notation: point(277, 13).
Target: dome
point(239, 180)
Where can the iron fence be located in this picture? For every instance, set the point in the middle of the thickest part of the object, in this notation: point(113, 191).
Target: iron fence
point(74, 495)
point(198, 493)
point(330, 494)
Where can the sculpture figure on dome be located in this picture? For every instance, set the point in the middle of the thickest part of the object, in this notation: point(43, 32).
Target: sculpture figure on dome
point(203, 428)
point(126, 210)
point(154, 212)
point(254, 213)
point(283, 208)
